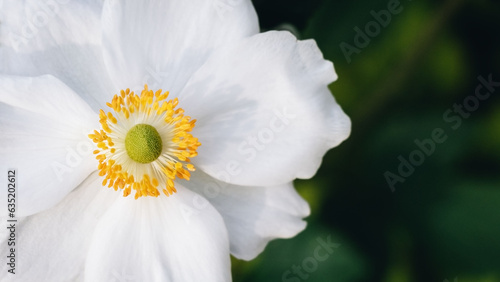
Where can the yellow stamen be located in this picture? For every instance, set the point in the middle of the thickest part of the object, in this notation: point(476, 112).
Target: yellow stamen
point(155, 171)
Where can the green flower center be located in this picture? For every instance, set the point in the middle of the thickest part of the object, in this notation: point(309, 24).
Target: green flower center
point(143, 143)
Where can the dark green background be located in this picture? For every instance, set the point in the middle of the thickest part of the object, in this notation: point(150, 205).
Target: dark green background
point(443, 222)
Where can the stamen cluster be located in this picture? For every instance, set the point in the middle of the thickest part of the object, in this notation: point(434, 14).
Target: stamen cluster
point(151, 108)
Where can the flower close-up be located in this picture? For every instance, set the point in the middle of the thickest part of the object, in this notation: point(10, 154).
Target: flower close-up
point(152, 140)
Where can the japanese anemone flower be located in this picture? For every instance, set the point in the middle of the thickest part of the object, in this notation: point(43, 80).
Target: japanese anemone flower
point(152, 139)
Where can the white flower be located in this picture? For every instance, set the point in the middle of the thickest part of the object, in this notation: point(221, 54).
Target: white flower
point(199, 191)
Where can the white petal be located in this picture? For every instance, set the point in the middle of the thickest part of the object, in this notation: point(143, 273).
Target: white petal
point(53, 245)
point(163, 42)
point(159, 239)
point(44, 127)
point(265, 114)
point(253, 215)
point(57, 37)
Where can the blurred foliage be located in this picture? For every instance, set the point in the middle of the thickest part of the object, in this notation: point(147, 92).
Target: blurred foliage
point(443, 222)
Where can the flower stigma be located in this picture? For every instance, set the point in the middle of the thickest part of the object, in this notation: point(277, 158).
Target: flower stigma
point(144, 143)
